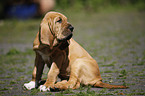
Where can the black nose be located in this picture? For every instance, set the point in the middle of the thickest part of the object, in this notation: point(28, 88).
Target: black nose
point(71, 28)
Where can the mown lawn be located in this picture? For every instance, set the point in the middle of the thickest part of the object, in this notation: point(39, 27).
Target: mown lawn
point(116, 40)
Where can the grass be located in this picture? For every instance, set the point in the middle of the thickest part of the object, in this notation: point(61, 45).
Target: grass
point(3, 89)
point(123, 73)
point(108, 65)
point(13, 82)
point(115, 40)
point(34, 91)
point(25, 29)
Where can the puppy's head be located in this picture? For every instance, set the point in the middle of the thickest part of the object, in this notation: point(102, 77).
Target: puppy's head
point(54, 29)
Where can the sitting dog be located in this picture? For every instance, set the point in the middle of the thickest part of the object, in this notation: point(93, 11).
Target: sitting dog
point(66, 59)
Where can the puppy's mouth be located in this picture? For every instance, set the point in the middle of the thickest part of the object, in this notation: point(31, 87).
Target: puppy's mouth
point(64, 43)
point(69, 29)
point(66, 38)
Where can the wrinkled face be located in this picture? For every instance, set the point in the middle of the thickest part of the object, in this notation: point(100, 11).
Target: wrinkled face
point(58, 25)
point(62, 28)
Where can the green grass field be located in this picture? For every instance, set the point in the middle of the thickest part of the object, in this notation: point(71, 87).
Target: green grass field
point(116, 40)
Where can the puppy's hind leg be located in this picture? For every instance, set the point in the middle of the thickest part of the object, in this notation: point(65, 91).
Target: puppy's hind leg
point(73, 79)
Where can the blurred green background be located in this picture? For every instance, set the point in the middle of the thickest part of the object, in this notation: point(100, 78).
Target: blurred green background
point(85, 5)
point(99, 5)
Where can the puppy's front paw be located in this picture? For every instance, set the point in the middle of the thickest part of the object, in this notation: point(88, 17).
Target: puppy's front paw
point(43, 88)
point(29, 85)
point(61, 85)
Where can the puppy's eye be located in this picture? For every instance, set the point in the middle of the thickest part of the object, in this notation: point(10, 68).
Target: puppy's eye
point(59, 21)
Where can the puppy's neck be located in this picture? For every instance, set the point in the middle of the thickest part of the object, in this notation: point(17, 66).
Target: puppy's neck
point(64, 45)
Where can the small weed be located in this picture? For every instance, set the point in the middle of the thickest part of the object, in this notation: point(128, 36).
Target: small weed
point(13, 52)
point(68, 91)
point(34, 91)
point(108, 65)
point(12, 82)
point(103, 90)
point(108, 71)
point(124, 83)
point(89, 91)
point(124, 65)
point(59, 94)
point(81, 94)
point(48, 94)
point(116, 91)
point(1, 93)
point(4, 89)
point(133, 83)
point(123, 73)
point(121, 77)
point(81, 88)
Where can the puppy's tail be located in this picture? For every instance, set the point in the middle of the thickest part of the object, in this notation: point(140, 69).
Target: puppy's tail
point(105, 85)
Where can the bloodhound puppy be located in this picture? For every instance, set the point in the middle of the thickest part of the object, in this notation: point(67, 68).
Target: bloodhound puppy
point(66, 59)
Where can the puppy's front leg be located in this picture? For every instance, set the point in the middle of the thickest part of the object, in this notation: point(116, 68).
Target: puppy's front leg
point(51, 78)
point(37, 73)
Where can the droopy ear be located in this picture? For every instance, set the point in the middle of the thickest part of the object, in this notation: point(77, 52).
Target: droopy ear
point(36, 42)
point(45, 36)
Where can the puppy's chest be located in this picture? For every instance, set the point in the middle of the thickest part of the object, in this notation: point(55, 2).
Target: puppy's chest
point(45, 56)
point(50, 57)
point(57, 56)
